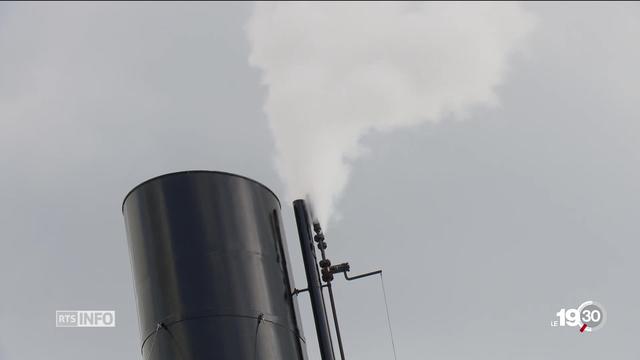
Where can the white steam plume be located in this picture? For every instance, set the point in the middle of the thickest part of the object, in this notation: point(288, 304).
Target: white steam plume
point(335, 71)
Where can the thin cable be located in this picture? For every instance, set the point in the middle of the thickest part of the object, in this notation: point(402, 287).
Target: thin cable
point(255, 343)
point(175, 320)
point(386, 304)
point(335, 321)
point(155, 335)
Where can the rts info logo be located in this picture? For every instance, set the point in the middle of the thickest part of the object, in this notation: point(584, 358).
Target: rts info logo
point(589, 316)
point(86, 318)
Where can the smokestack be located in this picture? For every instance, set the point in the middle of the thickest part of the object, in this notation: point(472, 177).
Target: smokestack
point(313, 280)
point(211, 269)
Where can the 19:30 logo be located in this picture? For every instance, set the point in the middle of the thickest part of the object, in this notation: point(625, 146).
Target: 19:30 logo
point(589, 316)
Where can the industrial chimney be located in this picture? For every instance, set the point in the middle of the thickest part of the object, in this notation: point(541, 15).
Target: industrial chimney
point(211, 269)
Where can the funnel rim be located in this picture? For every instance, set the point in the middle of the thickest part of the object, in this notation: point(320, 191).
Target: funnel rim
point(197, 171)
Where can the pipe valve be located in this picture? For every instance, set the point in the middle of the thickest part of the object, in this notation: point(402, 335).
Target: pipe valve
point(340, 268)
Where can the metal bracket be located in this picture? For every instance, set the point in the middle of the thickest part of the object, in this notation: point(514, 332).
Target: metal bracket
point(298, 291)
point(362, 275)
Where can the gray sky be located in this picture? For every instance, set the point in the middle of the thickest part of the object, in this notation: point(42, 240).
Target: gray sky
point(485, 228)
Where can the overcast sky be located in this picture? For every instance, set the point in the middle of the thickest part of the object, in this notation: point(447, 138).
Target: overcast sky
point(485, 228)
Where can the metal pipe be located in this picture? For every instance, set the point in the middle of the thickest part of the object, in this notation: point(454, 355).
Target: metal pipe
point(313, 280)
point(335, 321)
point(363, 275)
point(322, 246)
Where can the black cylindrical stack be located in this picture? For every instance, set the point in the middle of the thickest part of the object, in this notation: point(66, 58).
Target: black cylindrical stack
point(313, 280)
point(211, 269)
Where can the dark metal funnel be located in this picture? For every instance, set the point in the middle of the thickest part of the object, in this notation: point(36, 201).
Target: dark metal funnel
point(211, 269)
